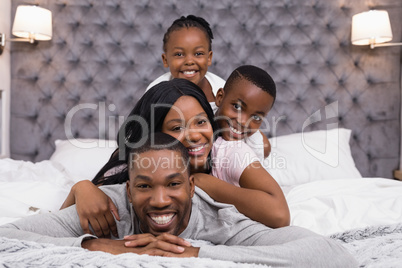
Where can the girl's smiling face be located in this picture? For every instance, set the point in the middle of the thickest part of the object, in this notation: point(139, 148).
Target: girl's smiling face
point(188, 54)
point(188, 122)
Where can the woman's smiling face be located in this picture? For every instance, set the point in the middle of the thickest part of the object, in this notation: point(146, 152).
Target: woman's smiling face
point(188, 122)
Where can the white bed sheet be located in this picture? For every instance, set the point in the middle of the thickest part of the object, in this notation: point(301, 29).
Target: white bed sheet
point(332, 206)
point(325, 207)
point(28, 188)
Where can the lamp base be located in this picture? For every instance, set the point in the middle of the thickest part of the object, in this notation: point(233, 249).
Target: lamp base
point(2, 42)
point(384, 45)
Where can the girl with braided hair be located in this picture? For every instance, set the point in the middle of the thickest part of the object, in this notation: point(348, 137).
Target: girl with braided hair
point(187, 52)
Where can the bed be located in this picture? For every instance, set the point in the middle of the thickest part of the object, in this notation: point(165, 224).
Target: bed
point(325, 194)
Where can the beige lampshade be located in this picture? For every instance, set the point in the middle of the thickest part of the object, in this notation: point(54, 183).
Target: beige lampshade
point(33, 22)
point(371, 27)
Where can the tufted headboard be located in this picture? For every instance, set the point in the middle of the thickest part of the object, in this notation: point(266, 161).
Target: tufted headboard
point(104, 53)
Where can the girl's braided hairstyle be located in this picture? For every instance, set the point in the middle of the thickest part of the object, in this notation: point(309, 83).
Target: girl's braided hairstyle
point(189, 21)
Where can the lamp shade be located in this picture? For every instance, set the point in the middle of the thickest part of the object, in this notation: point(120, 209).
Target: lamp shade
point(371, 27)
point(33, 22)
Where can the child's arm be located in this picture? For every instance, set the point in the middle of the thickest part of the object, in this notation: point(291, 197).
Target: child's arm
point(267, 145)
point(259, 143)
point(260, 197)
point(93, 207)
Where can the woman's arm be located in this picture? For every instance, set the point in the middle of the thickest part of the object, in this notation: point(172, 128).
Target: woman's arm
point(70, 200)
point(93, 207)
point(260, 197)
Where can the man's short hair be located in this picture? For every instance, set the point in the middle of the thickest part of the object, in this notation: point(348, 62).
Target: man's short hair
point(162, 141)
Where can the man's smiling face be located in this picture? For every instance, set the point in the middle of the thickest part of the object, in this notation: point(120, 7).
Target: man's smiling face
point(160, 191)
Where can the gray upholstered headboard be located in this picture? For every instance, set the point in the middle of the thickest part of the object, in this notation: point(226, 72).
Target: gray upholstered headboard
point(104, 54)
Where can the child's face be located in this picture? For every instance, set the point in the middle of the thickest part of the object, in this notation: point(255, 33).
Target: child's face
point(187, 54)
point(242, 109)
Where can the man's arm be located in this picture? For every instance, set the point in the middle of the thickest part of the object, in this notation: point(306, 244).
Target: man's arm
point(289, 247)
point(118, 247)
point(239, 239)
point(166, 245)
point(61, 228)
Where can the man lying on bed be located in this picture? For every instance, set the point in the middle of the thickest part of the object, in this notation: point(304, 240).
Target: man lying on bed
point(160, 207)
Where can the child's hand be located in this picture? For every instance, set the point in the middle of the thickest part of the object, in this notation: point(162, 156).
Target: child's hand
point(96, 208)
point(267, 145)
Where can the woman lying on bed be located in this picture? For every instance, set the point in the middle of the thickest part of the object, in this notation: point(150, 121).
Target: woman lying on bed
point(180, 109)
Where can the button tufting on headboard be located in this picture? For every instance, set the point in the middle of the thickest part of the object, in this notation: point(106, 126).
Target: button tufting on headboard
point(105, 53)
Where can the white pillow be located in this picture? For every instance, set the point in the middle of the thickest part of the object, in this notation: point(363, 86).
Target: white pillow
point(83, 158)
point(310, 156)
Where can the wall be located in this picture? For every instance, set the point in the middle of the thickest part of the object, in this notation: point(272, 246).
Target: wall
point(5, 79)
point(400, 151)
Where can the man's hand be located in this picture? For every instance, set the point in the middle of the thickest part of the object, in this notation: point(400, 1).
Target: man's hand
point(187, 253)
point(169, 243)
point(106, 245)
point(164, 245)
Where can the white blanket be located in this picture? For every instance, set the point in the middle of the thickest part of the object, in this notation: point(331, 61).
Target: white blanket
point(16, 253)
point(377, 246)
point(28, 188)
point(332, 206)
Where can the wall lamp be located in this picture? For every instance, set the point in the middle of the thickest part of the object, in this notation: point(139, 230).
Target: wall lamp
point(31, 24)
point(372, 28)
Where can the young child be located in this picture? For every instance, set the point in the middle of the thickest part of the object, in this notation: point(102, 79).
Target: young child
point(187, 52)
point(246, 99)
point(244, 102)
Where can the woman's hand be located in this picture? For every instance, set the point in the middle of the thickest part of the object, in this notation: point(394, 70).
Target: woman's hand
point(94, 207)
